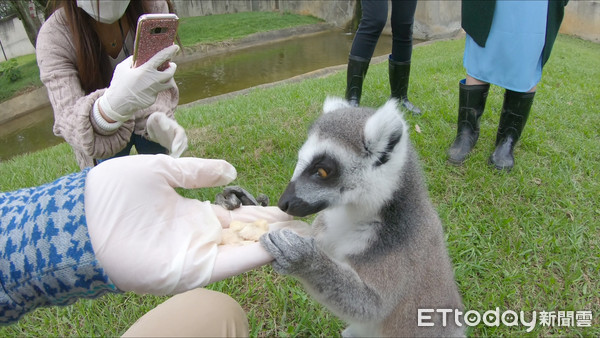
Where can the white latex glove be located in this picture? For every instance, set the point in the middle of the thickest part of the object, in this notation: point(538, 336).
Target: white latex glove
point(167, 132)
point(150, 239)
point(132, 89)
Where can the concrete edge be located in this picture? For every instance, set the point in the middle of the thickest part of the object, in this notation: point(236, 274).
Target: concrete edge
point(23, 104)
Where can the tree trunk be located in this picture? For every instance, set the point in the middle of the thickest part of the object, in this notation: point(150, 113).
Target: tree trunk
point(32, 24)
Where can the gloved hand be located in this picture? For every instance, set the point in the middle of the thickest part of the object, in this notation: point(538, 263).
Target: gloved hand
point(168, 133)
point(132, 89)
point(150, 239)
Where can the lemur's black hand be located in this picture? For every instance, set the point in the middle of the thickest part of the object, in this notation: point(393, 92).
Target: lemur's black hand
point(233, 197)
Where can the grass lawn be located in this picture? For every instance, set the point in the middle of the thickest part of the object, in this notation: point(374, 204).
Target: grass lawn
point(524, 241)
point(228, 27)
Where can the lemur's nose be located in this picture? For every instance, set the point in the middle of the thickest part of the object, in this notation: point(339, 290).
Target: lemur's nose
point(283, 205)
point(286, 197)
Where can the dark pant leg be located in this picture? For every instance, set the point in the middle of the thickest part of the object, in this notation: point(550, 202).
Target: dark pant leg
point(145, 146)
point(142, 146)
point(125, 151)
point(403, 16)
point(372, 22)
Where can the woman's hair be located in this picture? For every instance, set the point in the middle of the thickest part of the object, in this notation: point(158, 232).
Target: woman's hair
point(92, 64)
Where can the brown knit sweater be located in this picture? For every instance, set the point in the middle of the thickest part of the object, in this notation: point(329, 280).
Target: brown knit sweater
point(73, 119)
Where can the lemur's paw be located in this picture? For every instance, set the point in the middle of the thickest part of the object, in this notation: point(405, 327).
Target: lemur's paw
point(291, 251)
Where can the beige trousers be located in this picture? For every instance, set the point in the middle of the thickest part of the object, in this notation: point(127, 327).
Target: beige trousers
point(196, 313)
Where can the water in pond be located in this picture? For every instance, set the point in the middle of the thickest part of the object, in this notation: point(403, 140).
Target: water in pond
point(27, 133)
point(208, 77)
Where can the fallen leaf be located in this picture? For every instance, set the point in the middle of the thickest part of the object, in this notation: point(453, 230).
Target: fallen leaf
point(570, 216)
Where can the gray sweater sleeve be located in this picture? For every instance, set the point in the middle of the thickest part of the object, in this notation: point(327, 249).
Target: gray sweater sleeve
point(46, 256)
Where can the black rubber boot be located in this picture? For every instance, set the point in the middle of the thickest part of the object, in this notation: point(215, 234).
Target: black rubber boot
point(399, 75)
point(515, 111)
point(471, 104)
point(357, 70)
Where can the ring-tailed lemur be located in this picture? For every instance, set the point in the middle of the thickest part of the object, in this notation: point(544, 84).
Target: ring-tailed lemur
point(377, 253)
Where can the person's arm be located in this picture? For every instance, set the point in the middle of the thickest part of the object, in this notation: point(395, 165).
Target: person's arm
point(46, 256)
point(120, 226)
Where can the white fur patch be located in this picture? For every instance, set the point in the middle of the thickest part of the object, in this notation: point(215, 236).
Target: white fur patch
point(305, 155)
point(348, 231)
point(334, 103)
point(381, 182)
point(378, 129)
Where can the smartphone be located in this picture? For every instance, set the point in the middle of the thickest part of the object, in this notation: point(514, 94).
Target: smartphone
point(155, 32)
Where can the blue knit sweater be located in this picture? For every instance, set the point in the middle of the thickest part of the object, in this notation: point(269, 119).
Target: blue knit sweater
point(46, 257)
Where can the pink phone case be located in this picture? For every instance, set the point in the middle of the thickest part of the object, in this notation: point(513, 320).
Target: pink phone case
point(154, 33)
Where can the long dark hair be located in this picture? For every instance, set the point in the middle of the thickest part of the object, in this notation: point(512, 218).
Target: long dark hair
point(92, 61)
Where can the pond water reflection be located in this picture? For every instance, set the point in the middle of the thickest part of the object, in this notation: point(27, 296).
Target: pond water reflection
point(211, 76)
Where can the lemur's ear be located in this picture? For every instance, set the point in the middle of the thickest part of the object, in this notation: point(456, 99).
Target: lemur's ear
point(334, 103)
point(383, 131)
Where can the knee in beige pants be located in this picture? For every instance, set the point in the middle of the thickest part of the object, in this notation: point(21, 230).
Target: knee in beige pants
point(197, 313)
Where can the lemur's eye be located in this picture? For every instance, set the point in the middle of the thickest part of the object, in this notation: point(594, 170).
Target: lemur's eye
point(322, 173)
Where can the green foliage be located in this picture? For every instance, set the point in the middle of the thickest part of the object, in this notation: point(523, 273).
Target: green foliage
point(17, 75)
point(6, 9)
point(10, 70)
point(528, 240)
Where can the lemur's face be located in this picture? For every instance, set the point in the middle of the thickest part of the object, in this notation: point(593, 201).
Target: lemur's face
point(321, 177)
point(343, 159)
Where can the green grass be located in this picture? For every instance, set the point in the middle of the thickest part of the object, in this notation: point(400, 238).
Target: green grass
point(228, 27)
point(192, 31)
point(30, 78)
point(524, 241)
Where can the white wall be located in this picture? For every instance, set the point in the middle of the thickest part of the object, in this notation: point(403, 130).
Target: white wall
point(14, 39)
point(582, 19)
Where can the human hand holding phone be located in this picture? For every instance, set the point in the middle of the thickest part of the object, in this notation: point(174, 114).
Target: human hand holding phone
point(132, 89)
point(154, 33)
point(138, 79)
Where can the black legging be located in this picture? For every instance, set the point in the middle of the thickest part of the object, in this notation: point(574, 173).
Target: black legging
point(374, 18)
point(142, 146)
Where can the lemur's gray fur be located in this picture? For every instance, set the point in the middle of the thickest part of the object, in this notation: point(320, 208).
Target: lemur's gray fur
point(376, 253)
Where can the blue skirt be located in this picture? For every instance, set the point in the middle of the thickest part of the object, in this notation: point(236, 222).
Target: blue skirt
point(512, 56)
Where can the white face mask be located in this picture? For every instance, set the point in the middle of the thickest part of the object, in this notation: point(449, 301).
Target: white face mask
point(110, 10)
